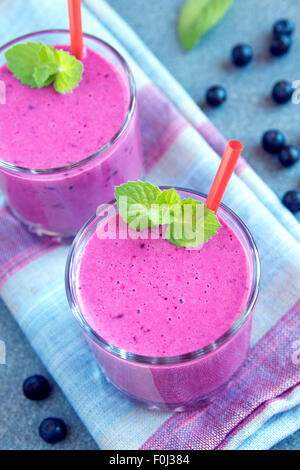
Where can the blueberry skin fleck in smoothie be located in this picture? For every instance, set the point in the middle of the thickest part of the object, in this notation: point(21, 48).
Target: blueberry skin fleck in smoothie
point(42, 129)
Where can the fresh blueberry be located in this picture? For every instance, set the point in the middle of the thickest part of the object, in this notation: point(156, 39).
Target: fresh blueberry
point(283, 26)
point(36, 387)
point(216, 95)
point(280, 45)
point(282, 91)
point(291, 200)
point(241, 55)
point(53, 430)
point(273, 141)
point(289, 155)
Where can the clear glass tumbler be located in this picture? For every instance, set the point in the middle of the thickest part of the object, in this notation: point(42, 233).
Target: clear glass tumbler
point(175, 383)
point(58, 201)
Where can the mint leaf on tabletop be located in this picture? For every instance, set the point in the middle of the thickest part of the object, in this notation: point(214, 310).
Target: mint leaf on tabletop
point(197, 17)
point(37, 65)
point(142, 205)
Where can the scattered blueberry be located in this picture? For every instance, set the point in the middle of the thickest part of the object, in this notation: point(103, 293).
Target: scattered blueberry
point(289, 155)
point(273, 141)
point(282, 91)
point(53, 430)
point(291, 200)
point(280, 45)
point(241, 55)
point(216, 95)
point(283, 26)
point(36, 387)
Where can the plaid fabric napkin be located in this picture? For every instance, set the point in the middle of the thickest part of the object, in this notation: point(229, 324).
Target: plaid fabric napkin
point(181, 147)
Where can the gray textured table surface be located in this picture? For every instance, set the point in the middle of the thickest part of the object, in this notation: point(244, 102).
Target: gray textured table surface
point(246, 115)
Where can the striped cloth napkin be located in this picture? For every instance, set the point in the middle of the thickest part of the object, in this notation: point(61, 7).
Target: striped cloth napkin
point(181, 147)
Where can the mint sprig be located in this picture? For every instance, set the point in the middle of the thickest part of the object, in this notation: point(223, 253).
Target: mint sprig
point(193, 224)
point(143, 205)
point(167, 202)
point(38, 65)
point(69, 72)
point(135, 201)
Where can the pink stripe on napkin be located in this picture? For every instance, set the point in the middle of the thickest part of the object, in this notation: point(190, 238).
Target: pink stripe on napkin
point(18, 246)
point(161, 123)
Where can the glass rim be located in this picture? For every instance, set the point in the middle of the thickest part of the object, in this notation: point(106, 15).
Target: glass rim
point(118, 134)
point(165, 360)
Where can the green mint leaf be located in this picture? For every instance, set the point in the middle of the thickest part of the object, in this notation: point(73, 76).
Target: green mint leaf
point(193, 225)
point(142, 205)
point(37, 65)
point(197, 17)
point(50, 80)
point(45, 73)
point(168, 197)
point(167, 202)
point(69, 72)
point(41, 75)
point(22, 60)
point(47, 57)
point(135, 200)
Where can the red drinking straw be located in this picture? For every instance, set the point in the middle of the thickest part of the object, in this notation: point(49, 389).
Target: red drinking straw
point(225, 170)
point(74, 7)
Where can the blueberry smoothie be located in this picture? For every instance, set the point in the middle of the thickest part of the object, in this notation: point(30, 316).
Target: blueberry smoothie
point(62, 155)
point(164, 303)
point(132, 293)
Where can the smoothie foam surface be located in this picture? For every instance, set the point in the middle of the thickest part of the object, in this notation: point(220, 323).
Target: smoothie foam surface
point(153, 298)
point(42, 129)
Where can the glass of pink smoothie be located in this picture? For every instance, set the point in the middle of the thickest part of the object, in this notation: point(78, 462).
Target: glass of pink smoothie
point(169, 326)
point(62, 155)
